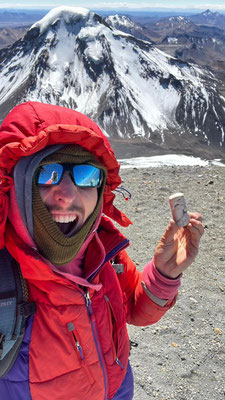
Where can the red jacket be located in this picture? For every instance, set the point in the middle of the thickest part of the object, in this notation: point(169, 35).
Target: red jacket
point(79, 345)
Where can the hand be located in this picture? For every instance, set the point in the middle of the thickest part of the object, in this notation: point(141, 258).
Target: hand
point(178, 247)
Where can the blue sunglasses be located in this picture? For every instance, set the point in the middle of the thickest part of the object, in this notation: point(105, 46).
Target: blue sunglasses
point(83, 175)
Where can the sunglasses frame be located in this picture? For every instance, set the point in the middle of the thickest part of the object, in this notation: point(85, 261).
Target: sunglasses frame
point(69, 167)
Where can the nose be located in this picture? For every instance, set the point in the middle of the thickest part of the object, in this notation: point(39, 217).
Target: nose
point(66, 191)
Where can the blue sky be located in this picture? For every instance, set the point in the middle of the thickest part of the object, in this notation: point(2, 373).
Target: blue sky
point(218, 5)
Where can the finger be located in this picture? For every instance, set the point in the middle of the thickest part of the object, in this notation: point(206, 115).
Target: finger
point(195, 215)
point(195, 233)
point(197, 225)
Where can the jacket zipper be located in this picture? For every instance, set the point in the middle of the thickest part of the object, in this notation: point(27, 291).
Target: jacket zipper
point(71, 329)
point(116, 249)
point(87, 299)
point(109, 256)
point(115, 346)
point(97, 341)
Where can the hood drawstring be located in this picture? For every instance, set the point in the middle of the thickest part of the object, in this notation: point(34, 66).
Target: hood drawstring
point(121, 190)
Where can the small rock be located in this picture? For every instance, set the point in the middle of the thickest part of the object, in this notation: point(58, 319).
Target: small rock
point(192, 299)
point(133, 344)
point(218, 331)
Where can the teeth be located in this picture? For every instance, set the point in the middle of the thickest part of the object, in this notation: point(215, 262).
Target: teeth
point(63, 219)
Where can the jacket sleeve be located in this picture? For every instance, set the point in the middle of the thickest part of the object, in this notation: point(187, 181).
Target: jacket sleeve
point(141, 309)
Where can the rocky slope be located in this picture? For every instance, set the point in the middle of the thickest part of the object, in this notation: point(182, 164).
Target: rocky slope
point(182, 356)
point(9, 35)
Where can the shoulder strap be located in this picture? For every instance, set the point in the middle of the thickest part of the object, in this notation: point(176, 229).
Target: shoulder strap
point(14, 310)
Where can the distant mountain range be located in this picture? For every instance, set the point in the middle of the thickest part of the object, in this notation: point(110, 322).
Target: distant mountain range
point(16, 18)
point(197, 38)
point(209, 18)
point(75, 58)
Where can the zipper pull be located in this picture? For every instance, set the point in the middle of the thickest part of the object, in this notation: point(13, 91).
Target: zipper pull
point(79, 348)
point(88, 302)
point(71, 328)
point(119, 363)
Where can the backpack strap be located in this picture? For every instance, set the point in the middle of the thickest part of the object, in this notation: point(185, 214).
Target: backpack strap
point(15, 308)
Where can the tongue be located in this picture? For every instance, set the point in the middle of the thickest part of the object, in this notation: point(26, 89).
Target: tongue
point(65, 227)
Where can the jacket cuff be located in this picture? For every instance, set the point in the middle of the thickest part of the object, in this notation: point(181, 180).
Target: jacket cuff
point(158, 284)
point(154, 298)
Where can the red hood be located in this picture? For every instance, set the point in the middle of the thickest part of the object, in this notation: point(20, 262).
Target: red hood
point(32, 126)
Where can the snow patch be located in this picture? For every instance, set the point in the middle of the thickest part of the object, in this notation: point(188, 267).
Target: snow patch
point(172, 40)
point(171, 160)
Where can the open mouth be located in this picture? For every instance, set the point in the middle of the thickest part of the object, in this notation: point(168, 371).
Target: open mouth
point(66, 223)
point(67, 228)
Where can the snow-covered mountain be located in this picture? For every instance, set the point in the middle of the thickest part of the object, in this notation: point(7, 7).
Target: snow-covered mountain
point(179, 24)
point(209, 18)
point(127, 25)
point(72, 57)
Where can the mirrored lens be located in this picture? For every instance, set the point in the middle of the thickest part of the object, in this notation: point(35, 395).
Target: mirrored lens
point(87, 175)
point(49, 174)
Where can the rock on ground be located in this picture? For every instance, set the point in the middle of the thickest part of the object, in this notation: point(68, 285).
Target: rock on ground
point(181, 357)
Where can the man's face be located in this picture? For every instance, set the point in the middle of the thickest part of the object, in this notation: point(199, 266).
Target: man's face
point(68, 204)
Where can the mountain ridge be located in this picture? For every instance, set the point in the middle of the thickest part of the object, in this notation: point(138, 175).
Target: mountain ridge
point(130, 88)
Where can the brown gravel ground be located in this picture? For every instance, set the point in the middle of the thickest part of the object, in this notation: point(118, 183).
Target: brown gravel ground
point(181, 357)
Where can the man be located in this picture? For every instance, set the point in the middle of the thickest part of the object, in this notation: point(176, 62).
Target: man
point(57, 177)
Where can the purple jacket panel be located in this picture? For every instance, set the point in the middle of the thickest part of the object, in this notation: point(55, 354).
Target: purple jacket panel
point(15, 384)
point(126, 390)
